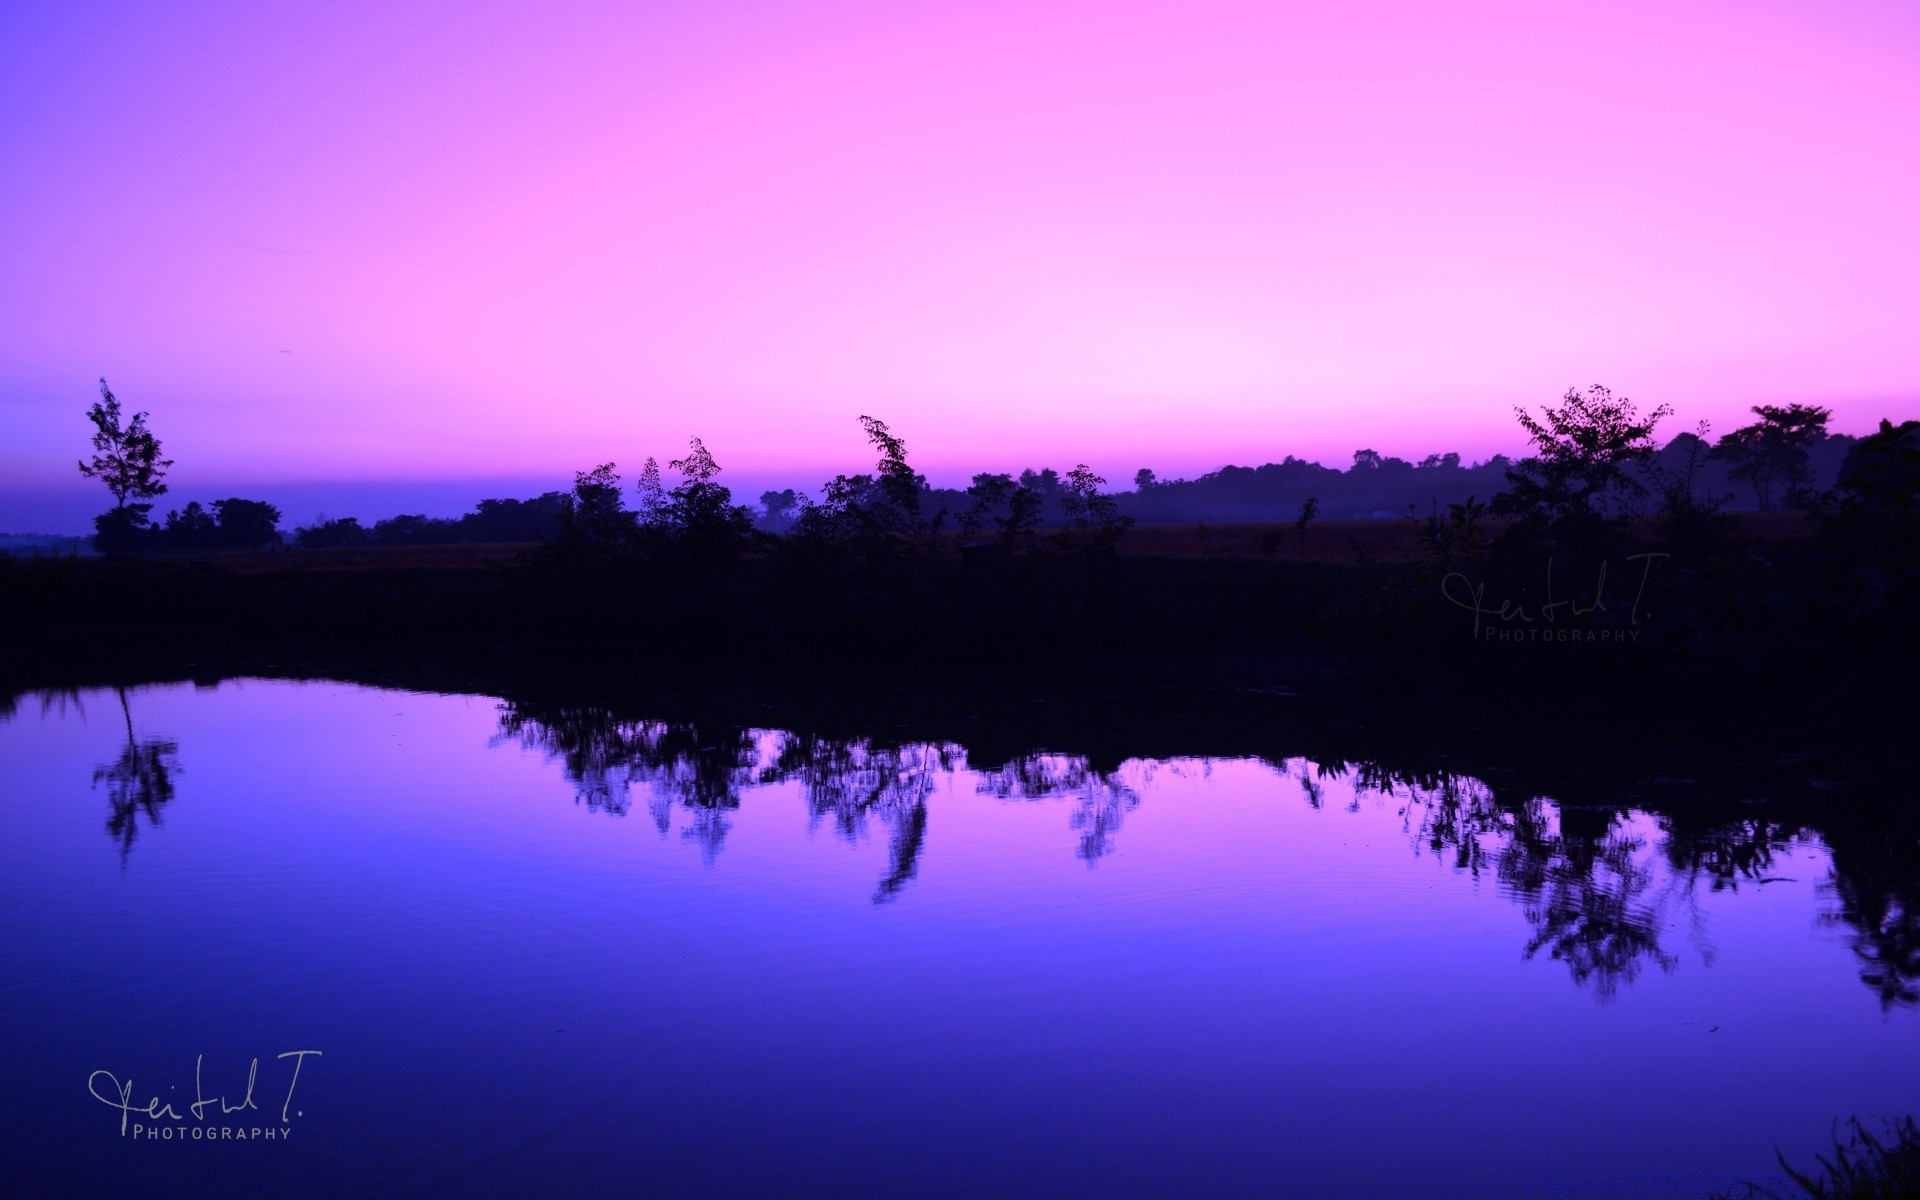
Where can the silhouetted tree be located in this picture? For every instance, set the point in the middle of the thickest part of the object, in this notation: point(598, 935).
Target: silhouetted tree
point(1309, 509)
point(413, 529)
point(1045, 483)
point(651, 507)
point(1690, 519)
point(512, 520)
point(779, 507)
point(325, 534)
point(1456, 539)
point(247, 524)
point(989, 493)
point(877, 512)
point(594, 517)
point(1774, 450)
point(127, 459)
point(1875, 526)
point(1011, 509)
point(898, 485)
point(1092, 517)
point(1580, 475)
point(701, 510)
point(191, 528)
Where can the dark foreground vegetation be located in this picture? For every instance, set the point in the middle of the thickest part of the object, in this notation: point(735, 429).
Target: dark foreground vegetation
point(1599, 576)
point(1865, 1165)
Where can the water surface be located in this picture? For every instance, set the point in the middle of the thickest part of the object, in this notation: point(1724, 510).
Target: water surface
point(552, 950)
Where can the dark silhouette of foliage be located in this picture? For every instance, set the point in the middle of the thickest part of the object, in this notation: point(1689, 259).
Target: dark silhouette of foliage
point(412, 529)
point(1874, 528)
point(899, 487)
point(328, 534)
point(594, 518)
point(779, 509)
point(1688, 517)
point(1008, 508)
point(1583, 454)
point(1864, 1165)
point(877, 513)
point(1774, 450)
point(230, 524)
point(191, 528)
point(1093, 519)
point(1309, 509)
point(494, 521)
point(127, 459)
point(700, 511)
point(1457, 540)
point(1583, 478)
point(512, 520)
point(246, 524)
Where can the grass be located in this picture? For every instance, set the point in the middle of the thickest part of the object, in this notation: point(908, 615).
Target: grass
point(1865, 1166)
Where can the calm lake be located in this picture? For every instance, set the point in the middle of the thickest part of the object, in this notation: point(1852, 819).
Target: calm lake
point(555, 951)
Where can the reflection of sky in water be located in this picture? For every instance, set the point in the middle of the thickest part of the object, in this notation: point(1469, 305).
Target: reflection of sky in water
point(740, 959)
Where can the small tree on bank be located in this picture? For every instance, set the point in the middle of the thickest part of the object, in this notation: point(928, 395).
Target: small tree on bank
point(593, 517)
point(881, 512)
point(700, 510)
point(1580, 477)
point(1093, 518)
point(127, 459)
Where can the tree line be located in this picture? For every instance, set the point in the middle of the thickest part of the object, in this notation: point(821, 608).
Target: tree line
point(1594, 458)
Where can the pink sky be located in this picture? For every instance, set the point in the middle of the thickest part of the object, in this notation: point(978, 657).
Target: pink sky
point(443, 241)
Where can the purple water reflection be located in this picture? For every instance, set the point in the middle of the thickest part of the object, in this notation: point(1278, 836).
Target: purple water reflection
point(556, 952)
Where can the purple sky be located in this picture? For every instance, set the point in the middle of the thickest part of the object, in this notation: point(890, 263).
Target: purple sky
point(403, 241)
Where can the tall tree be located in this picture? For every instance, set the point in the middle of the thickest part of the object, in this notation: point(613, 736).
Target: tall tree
point(1092, 515)
point(1582, 454)
point(899, 486)
point(701, 508)
point(1773, 450)
point(127, 459)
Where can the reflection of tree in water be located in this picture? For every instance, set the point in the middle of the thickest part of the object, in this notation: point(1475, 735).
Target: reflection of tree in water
point(605, 757)
point(852, 782)
point(849, 782)
point(1592, 883)
point(139, 782)
point(1875, 886)
point(1601, 886)
point(1101, 798)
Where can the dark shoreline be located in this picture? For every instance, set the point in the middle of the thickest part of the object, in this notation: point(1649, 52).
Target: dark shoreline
point(1109, 658)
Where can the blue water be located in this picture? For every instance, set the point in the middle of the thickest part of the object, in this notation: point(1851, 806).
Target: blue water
point(564, 953)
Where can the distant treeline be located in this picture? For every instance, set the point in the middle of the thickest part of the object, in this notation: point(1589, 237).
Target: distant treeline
point(1595, 454)
point(534, 520)
point(1373, 486)
point(1377, 485)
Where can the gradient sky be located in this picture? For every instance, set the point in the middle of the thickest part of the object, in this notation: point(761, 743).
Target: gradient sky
point(414, 241)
